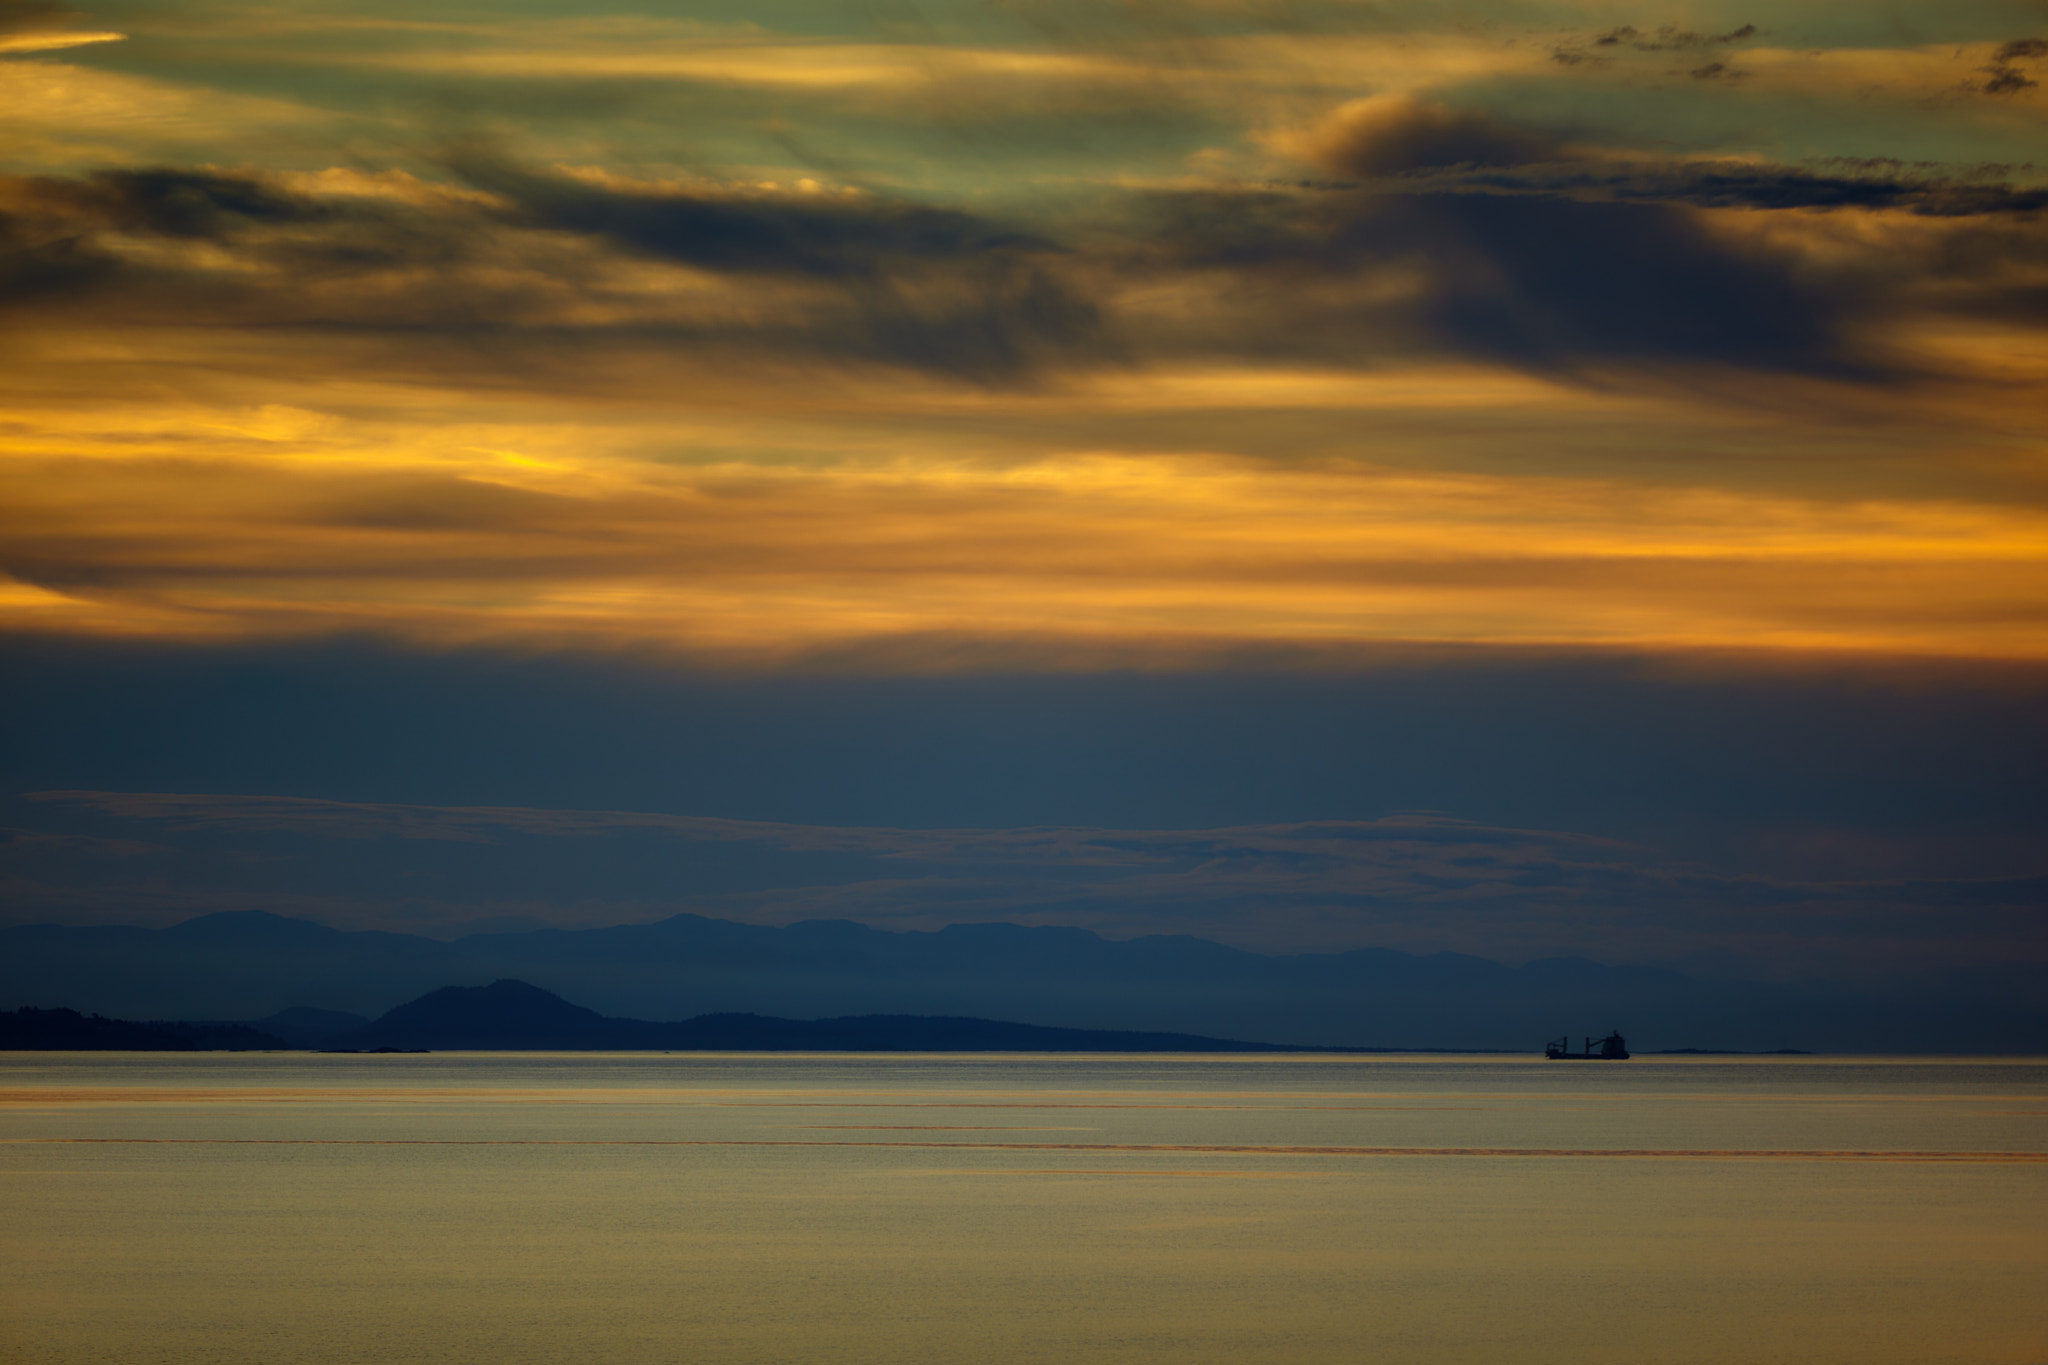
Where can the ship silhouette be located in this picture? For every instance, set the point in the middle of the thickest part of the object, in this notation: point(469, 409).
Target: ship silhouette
point(1613, 1048)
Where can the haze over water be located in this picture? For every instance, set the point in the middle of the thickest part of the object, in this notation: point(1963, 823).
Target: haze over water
point(725, 1208)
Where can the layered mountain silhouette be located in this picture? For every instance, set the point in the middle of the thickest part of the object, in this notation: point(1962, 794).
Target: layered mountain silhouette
point(250, 965)
point(514, 1016)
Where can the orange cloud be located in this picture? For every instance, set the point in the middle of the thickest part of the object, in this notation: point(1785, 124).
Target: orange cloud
point(289, 520)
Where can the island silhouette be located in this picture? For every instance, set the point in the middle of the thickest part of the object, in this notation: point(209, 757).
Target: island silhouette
point(510, 1015)
point(516, 1016)
point(63, 1030)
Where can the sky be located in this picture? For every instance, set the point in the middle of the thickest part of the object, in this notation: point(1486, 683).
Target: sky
point(1527, 479)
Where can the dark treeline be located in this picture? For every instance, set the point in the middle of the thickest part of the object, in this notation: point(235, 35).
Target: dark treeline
point(62, 1030)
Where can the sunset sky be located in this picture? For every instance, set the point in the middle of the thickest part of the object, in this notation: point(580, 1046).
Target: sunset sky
point(1525, 478)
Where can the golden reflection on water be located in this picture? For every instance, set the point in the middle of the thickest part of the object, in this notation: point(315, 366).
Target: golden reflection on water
point(283, 1212)
point(1266, 1149)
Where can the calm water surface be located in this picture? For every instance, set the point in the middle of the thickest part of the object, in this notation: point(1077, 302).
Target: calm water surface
point(503, 1208)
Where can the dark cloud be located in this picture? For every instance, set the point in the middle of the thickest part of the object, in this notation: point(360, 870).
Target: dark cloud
point(1670, 37)
point(37, 264)
point(54, 230)
point(1545, 282)
point(35, 16)
point(1397, 137)
point(1535, 252)
point(835, 237)
point(1600, 48)
point(183, 203)
point(2003, 76)
point(1402, 146)
point(933, 288)
point(1542, 281)
point(889, 283)
point(1512, 244)
point(1990, 269)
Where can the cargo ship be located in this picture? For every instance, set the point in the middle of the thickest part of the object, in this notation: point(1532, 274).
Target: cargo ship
point(1612, 1048)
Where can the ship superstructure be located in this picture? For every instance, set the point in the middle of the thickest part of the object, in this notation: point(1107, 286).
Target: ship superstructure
point(1612, 1048)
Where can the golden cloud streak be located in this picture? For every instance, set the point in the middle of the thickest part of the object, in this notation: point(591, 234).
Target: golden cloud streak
point(748, 55)
point(60, 114)
point(1944, 69)
point(51, 42)
point(1187, 65)
point(801, 65)
point(199, 521)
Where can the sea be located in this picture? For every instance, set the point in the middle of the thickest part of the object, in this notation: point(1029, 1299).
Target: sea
point(1020, 1209)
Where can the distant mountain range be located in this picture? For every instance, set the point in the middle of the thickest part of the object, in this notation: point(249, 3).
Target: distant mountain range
point(251, 966)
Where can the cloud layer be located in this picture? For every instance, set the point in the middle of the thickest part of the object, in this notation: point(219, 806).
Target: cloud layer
point(1460, 355)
